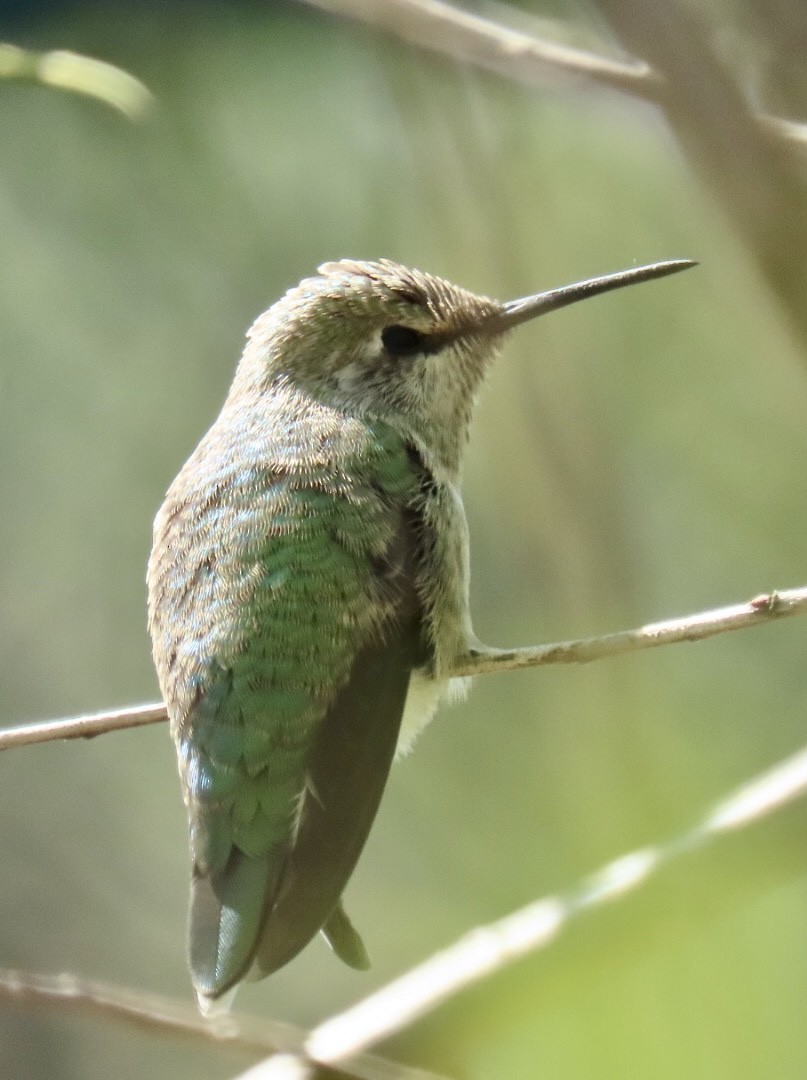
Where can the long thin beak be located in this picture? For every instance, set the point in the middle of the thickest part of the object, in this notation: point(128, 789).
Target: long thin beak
point(530, 307)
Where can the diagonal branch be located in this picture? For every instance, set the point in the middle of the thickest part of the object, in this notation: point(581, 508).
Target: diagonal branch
point(151, 1012)
point(476, 956)
point(759, 186)
point(765, 608)
point(488, 949)
point(148, 1011)
point(461, 35)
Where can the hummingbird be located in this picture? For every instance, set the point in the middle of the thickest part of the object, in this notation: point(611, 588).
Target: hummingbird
point(309, 593)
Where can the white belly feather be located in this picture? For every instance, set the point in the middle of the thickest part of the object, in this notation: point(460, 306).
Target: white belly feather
point(422, 699)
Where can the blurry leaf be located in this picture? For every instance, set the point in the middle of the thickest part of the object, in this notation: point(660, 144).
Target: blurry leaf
point(79, 74)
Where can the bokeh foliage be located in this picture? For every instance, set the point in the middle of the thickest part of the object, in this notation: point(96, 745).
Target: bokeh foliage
point(637, 457)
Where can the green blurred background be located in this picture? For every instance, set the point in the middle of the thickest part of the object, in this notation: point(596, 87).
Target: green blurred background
point(634, 458)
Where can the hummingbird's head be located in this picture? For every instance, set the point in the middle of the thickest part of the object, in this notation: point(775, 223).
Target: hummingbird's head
point(380, 340)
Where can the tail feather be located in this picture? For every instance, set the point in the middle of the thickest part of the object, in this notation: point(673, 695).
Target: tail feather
point(227, 911)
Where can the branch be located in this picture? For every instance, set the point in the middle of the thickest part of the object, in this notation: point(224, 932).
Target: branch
point(82, 727)
point(513, 54)
point(461, 35)
point(80, 75)
point(147, 1011)
point(759, 186)
point(767, 607)
point(488, 949)
point(763, 608)
point(477, 955)
point(252, 1035)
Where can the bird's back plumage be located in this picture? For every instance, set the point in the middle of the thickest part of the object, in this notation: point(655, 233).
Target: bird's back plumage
point(285, 623)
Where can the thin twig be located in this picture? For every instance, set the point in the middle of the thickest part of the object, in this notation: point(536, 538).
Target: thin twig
point(767, 607)
point(469, 38)
point(763, 608)
point(145, 1010)
point(434, 25)
point(250, 1035)
point(82, 727)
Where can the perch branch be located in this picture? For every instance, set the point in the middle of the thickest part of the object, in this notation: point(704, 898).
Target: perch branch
point(82, 727)
point(764, 608)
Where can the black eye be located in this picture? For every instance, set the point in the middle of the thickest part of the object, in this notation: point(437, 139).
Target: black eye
point(403, 341)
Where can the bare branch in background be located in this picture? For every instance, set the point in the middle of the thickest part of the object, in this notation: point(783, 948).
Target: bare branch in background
point(758, 184)
point(514, 54)
point(150, 1012)
point(765, 608)
point(746, 159)
point(488, 949)
point(461, 35)
point(477, 955)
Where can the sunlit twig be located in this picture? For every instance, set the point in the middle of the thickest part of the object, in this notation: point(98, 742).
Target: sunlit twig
point(490, 948)
point(478, 954)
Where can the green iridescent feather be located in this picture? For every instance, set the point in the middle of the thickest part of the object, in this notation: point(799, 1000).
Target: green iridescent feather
point(280, 565)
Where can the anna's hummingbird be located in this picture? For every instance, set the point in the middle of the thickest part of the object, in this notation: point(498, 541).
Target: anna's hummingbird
point(308, 592)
